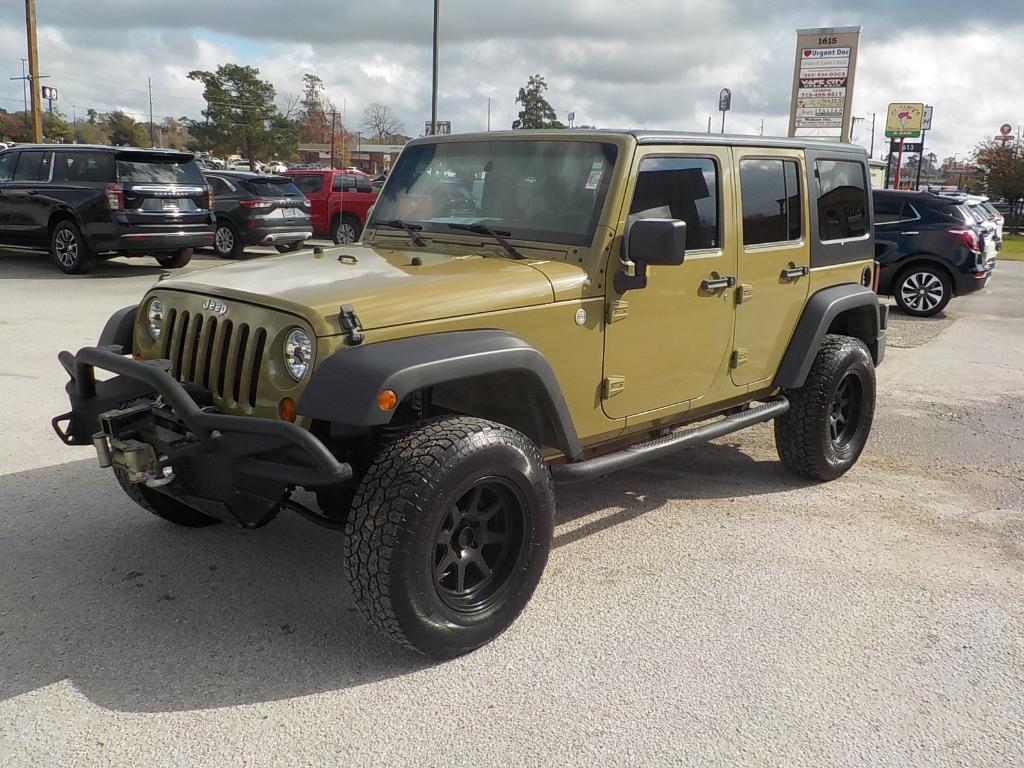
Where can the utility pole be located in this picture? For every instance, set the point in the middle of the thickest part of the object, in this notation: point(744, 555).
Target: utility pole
point(33, 71)
point(74, 121)
point(920, 159)
point(24, 89)
point(762, 127)
point(334, 122)
point(872, 155)
point(488, 113)
point(433, 90)
point(709, 123)
point(152, 129)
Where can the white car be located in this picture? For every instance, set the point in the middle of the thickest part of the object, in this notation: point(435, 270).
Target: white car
point(275, 166)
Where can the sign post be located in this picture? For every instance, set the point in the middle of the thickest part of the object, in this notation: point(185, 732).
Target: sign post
point(903, 121)
point(822, 98)
point(724, 104)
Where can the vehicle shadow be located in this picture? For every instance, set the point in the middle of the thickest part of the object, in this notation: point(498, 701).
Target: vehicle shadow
point(143, 616)
point(23, 265)
point(708, 471)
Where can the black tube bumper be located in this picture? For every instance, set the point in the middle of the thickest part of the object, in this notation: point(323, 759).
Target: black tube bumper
point(235, 468)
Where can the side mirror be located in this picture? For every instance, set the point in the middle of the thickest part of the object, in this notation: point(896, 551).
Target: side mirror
point(650, 241)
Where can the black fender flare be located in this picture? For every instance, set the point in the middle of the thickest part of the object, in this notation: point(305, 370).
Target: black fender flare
point(118, 330)
point(820, 312)
point(343, 388)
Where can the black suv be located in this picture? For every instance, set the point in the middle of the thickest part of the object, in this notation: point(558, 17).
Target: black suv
point(85, 202)
point(257, 209)
point(928, 250)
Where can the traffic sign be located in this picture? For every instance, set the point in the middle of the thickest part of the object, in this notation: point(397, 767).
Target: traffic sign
point(903, 121)
point(49, 93)
point(926, 124)
point(724, 100)
point(1006, 129)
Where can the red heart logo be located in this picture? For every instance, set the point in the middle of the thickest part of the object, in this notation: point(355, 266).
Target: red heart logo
point(807, 52)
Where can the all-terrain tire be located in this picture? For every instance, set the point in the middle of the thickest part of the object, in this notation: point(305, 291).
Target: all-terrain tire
point(163, 506)
point(419, 523)
point(829, 418)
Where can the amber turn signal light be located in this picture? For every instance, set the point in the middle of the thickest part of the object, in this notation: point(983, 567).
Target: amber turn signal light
point(387, 399)
point(286, 409)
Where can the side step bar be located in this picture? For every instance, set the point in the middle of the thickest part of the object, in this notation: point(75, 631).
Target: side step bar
point(654, 449)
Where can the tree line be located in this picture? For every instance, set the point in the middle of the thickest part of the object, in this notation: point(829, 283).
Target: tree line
point(243, 115)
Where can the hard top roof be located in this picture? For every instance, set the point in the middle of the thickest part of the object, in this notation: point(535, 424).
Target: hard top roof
point(653, 137)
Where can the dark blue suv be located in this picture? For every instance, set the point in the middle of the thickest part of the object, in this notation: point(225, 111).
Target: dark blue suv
point(84, 203)
point(928, 250)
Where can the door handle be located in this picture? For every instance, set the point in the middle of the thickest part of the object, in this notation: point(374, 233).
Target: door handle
point(793, 274)
point(910, 233)
point(718, 283)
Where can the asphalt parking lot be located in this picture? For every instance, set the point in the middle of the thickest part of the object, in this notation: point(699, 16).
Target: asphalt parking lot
point(703, 610)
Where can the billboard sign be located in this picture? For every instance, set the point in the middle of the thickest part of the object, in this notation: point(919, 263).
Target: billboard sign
point(904, 121)
point(49, 93)
point(822, 97)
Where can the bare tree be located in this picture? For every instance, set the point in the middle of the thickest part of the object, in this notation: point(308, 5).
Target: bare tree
point(380, 119)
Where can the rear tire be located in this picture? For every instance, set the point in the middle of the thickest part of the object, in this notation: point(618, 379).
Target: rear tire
point(69, 249)
point(922, 291)
point(345, 229)
point(163, 506)
point(226, 242)
point(827, 425)
point(174, 259)
point(449, 534)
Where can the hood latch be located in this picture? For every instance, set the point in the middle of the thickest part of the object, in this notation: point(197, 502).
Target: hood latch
point(349, 321)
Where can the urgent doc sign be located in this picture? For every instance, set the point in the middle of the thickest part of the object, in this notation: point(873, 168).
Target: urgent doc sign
point(822, 95)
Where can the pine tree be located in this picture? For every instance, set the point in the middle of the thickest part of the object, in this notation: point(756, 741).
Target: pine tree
point(536, 111)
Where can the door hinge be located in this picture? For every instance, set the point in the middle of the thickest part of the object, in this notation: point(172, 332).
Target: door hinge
point(744, 293)
point(617, 310)
point(739, 357)
point(612, 386)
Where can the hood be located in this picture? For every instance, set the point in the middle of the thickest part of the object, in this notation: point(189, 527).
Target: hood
point(381, 284)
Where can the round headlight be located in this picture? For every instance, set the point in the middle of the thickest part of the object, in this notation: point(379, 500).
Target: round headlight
point(298, 353)
point(155, 316)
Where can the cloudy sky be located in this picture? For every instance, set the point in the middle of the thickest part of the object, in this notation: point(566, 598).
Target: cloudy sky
point(643, 63)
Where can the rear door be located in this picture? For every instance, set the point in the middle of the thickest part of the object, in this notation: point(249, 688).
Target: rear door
point(8, 160)
point(27, 199)
point(161, 190)
point(774, 258)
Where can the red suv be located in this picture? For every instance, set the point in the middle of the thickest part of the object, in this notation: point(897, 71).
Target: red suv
point(339, 201)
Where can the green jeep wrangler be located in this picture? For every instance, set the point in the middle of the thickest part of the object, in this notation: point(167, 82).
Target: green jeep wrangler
point(525, 308)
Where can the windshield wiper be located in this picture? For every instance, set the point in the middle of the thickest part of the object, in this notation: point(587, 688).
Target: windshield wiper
point(497, 234)
point(410, 230)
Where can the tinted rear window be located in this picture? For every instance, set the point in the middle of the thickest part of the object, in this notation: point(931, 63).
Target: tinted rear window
point(33, 166)
point(308, 183)
point(159, 171)
point(80, 167)
point(842, 200)
point(273, 188)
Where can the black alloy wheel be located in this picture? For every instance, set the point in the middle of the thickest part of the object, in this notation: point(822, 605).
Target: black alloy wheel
point(844, 414)
point(478, 543)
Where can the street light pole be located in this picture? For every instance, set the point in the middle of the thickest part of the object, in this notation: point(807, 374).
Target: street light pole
point(433, 91)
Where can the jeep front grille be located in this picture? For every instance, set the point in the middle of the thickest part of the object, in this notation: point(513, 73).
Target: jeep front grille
point(217, 354)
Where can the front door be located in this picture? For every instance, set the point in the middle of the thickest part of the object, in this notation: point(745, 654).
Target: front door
point(664, 344)
point(774, 259)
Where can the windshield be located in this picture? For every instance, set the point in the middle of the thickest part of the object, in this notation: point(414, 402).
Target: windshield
point(159, 171)
point(551, 191)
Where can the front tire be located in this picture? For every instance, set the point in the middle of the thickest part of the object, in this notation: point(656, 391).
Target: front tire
point(226, 242)
point(827, 425)
point(162, 505)
point(174, 259)
point(69, 249)
point(922, 291)
point(449, 534)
